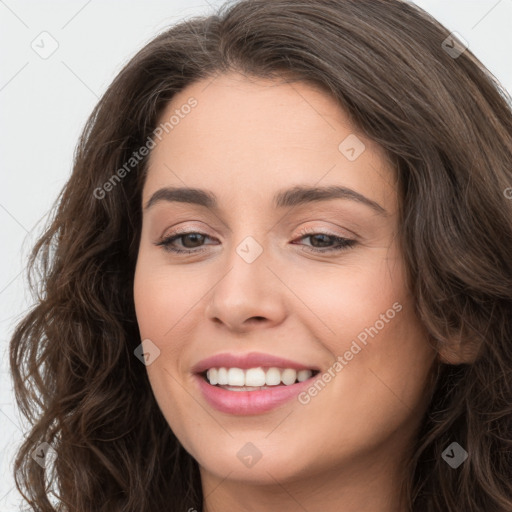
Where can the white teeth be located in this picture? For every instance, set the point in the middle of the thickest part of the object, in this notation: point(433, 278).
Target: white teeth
point(222, 376)
point(273, 377)
point(289, 376)
point(212, 376)
point(256, 377)
point(236, 377)
point(303, 375)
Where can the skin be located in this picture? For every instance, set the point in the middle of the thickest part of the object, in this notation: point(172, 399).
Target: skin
point(344, 450)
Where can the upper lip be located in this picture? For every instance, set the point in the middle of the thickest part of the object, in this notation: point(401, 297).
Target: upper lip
point(248, 360)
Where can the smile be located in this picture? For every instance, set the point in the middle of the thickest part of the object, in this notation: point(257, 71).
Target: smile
point(248, 384)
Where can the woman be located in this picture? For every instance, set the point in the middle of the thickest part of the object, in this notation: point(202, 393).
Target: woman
point(279, 277)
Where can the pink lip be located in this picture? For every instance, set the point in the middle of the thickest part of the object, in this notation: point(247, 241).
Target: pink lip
point(248, 360)
point(249, 402)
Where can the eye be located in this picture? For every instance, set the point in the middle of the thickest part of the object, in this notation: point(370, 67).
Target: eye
point(323, 239)
point(192, 242)
point(190, 239)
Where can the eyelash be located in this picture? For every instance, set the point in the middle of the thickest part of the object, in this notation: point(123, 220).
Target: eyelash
point(343, 244)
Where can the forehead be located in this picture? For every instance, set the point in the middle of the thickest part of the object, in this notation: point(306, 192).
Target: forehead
point(260, 136)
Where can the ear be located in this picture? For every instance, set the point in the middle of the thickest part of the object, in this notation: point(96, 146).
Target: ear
point(458, 352)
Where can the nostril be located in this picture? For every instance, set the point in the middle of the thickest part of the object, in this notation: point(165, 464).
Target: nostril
point(257, 319)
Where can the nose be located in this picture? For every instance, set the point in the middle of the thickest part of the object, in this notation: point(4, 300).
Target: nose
point(249, 296)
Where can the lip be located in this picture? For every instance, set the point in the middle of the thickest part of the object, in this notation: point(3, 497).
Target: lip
point(248, 360)
point(249, 402)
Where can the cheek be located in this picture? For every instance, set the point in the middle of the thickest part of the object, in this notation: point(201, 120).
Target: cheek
point(159, 306)
point(386, 359)
point(365, 315)
point(164, 297)
point(347, 299)
point(166, 306)
point(162, 300)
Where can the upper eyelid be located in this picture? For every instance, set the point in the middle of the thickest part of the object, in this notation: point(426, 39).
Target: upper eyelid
point(331, 215)
point(192, 228)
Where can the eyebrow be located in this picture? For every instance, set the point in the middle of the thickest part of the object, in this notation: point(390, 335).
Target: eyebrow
point(296, 196)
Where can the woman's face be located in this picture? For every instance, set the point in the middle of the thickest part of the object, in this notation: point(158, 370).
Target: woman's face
point(271, 293)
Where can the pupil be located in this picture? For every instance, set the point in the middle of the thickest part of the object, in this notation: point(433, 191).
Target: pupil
point(192, 235)
point(326, 239)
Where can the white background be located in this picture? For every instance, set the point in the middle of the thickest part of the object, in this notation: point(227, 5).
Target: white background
point(45, 102)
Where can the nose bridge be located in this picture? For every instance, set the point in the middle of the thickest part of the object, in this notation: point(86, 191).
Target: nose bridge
point(248, 275)
point(248, 289)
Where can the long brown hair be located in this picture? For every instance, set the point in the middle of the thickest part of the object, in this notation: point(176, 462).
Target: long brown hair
point(444, 121)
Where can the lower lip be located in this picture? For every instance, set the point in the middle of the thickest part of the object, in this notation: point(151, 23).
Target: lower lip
point(249, 402)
